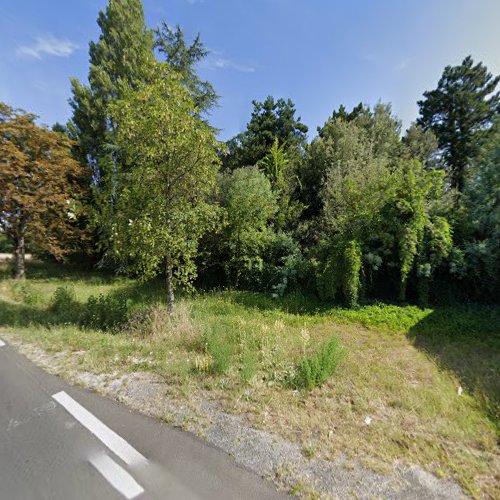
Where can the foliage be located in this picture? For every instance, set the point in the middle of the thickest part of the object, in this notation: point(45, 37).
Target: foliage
point(105, 312)
point(117, 62)
point(459, 112)
point(341, 272)
point(476, 256)
point(422, 145)
point(249, 203)
point(270, 120)
point(40, 187)
point(314, 370)
point(63, 305)
point(161, 204)
point(183, 58)
point(361, 146)
point(278, 167)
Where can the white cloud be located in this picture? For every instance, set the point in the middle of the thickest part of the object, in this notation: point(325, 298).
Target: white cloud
point(402, 65)
point(223, 63)
point(48, 45)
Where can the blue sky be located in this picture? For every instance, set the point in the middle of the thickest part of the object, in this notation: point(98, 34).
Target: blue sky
point(320, 53)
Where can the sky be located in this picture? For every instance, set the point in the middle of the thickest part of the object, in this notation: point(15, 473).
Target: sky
point(319, 53)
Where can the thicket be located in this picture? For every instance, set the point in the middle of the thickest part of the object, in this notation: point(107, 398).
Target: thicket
point(361, 212)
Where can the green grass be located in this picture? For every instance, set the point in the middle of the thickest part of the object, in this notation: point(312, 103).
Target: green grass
point(403, 365)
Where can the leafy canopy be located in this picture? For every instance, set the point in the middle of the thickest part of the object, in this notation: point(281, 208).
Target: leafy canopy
point(161, 205)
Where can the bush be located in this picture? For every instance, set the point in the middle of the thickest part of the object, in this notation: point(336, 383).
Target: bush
point(341, 273)
point(25, 293)
point(63, 304)
point(105, 312)
point(316, 369)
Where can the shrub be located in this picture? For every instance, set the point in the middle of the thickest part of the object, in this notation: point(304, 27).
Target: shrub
point(105, 312)
point(316, 369)
point(24, 292)
point(63, 304)
point(342, 273)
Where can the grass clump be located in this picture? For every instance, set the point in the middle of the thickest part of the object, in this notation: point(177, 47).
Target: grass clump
point(314, 370)
point(157, 323)
point(24, 292)
point(220, 351)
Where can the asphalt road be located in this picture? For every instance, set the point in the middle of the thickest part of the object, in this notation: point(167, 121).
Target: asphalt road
point(60, 442)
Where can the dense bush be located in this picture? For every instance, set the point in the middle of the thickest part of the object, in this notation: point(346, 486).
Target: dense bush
point(63, 305)
point(105, 312)
point(314, 370)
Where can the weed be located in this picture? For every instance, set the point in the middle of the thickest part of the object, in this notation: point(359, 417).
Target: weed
point(25, 292)
point(220, 351)
point(316, 369)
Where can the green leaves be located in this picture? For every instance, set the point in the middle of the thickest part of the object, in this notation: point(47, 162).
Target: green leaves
point(170, 159)
point(459, 112)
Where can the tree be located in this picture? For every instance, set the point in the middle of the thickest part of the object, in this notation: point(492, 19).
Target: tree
point(459, 112)
point(40, 187)
point(161, 206)
point(270, 120)
point(249, 203)
point(183, 58)
point(345, 139)
point(378, 212)
point(422, 145)
point(279, 169)
point(477, 253)
point(117, 63)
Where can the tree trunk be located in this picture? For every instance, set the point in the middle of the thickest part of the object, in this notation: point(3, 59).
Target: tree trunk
point(170, 285)
point(20, 258)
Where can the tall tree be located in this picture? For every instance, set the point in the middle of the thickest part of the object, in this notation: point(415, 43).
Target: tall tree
point(270, 120)
point(40, 187)
point(161, 204)
point(422, 145)
point(373, 130)
point(183, 58)
point(459, 112)
point(249, 203)
point(117, 62)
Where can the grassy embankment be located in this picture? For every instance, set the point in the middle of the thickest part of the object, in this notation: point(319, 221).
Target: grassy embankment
point(400, 370)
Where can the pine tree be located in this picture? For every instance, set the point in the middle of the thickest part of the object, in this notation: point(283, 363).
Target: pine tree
point(117, 62)
point(460, 112)
point(183, 58)
point(270, 120)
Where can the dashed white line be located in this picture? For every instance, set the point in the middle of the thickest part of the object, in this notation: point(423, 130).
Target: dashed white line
point(113, 441)
point(2, 343)
point(117, 476)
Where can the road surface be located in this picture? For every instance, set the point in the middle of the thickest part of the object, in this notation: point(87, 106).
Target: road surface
point(60, 442)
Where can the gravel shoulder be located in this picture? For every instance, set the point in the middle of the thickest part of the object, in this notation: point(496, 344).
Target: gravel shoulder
point(264, 453)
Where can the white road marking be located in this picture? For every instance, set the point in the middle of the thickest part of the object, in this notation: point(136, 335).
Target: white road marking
point(2, 343)
point(113, 441)
point(117, 476)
